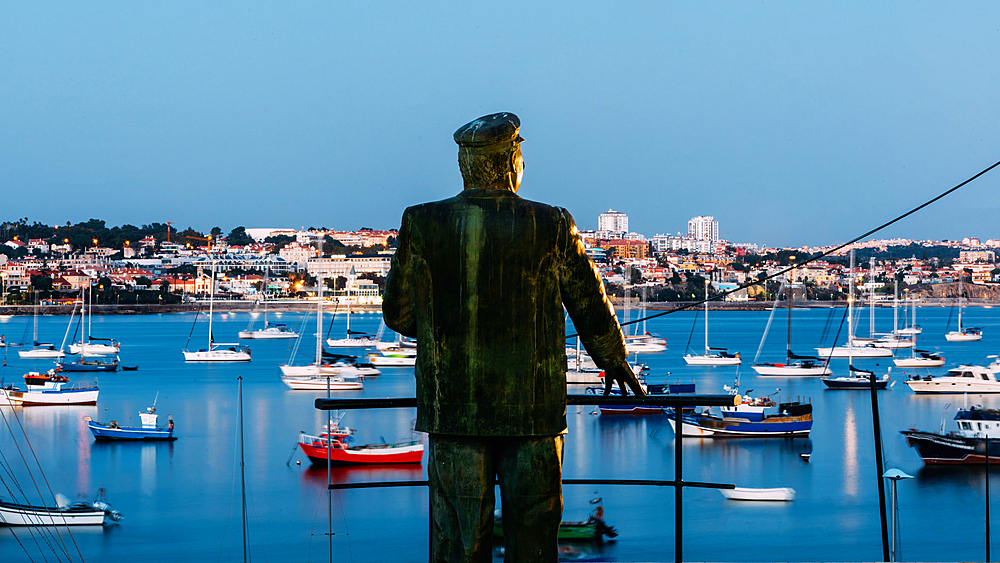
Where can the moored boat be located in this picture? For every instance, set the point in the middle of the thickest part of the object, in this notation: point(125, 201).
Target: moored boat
point(49, 389)
point(63, 514)
point(147, 431)
point(90, 363)
point(856, 382)
point(749, 419)
point(966, 445)
point(323, 382)
point(920, 359)
point(961, 379)
point(271, 331)
point(594, 528)
point(711, 356)
point(333, 446)
point(776, 494)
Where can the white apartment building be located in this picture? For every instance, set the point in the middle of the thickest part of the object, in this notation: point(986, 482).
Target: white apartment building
point(703, 227)
point(612, 221)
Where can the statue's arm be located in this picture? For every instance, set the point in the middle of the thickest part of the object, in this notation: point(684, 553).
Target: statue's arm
point(397, 301)
point(592, 312)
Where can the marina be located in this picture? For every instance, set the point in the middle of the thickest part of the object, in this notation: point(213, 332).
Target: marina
point(190, 487)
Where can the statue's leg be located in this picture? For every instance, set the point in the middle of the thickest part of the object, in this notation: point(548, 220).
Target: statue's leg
point(530, 475)
point(460, 475)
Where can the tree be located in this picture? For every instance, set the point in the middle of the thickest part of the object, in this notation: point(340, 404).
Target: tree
point(41, 283)
point(239, 237)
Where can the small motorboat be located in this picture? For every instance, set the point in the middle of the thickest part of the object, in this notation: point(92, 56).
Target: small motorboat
point(976, 429)
point(333, 445)
point(779, 494)
point(63, 514)
point(148, 431)
point(129, 368)
point(90, 363)
point(594, 528)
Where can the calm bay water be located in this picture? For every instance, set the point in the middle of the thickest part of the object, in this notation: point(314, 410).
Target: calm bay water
point(181, 500)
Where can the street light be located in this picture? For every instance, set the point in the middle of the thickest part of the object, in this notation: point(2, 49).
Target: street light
point(894, 475)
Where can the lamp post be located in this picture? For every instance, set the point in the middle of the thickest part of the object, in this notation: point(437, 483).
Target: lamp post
point(894, 475)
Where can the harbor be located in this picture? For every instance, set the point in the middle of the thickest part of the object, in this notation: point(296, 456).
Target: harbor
point(190, 487)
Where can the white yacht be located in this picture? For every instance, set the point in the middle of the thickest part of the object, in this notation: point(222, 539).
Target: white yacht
point(961, 379)
point(216, 352)
point(712, 356)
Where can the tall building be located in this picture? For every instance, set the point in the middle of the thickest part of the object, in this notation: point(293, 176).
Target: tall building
point(703, 227)
point(612, 221)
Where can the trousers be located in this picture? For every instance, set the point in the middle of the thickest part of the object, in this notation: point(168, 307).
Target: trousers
point(461, 472)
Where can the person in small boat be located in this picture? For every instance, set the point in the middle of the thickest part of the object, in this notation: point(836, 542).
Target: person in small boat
point(481, 281)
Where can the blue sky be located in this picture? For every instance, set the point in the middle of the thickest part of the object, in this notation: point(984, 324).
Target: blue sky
point(791, 122)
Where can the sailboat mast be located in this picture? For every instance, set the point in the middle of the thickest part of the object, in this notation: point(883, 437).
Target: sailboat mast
point(319, 322)
point(211, 301)
point(850, 305)
point(706, 315)
point(788, 329)
point(960, 303)
point(871, 297)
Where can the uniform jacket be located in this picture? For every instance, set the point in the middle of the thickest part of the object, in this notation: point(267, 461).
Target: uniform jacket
point(480, 280)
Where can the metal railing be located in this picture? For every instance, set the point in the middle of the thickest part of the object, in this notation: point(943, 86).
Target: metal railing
point(677, 402)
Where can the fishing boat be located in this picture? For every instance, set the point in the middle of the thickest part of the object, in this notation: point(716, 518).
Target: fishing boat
point(961, 379)
point(778, 494)
point(711, 356)
point(333, 445)
point(49, 388)
point(859, 379)
point(594, 528)
point(854, 348)
point(749, 419)
point(63, 514)
point(90, 363)
point(963, 334)
point(975, 427)
point(216, 352)
point(794, 365)
point(147, 431)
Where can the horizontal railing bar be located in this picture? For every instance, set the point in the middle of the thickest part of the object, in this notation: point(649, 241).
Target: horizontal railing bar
point(647, 400)
point(641, 482)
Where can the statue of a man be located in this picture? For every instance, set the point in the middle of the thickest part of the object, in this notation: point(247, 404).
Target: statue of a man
point(481, 280)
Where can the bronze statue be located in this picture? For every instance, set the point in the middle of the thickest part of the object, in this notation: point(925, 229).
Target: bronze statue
point(480, 280)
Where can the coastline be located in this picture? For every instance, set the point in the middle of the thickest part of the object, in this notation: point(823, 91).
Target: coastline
point(308, 306)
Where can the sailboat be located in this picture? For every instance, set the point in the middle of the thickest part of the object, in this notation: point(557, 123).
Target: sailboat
point(340, 376)
point(234, 352)
point(891, 340)
point(712, 356)
point(88, 344)
point(966, 334)
point(794, 365)
point(269, 331)
point(40, 350)
point(853, 348)
point(354, 339)
point(913, 328)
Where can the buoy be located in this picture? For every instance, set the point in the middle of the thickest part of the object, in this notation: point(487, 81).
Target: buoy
point(298, 462)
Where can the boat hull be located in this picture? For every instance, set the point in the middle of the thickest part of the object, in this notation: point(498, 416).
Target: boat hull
point(99, 349)
point(779, 494)
point(855, 352)
point(104, 432)
point(24, 515)
point(708, 426)
point(712, 360)
point(410, 452)
point(918, 363)
point(266, 334)
point(790, 370)
point(322, 383)
point(351, 342)
point(216, 356)
point(95, 366)
point(950, 449)
point(41, 354)
point(854, 382)
point(83, 396)
point(943, 385)
point(962, 337)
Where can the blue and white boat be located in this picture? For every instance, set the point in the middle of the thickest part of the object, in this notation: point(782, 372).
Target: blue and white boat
point(149, 431)
point(748, 419)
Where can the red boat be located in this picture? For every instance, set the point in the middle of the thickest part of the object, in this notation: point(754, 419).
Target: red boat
point(340, 453)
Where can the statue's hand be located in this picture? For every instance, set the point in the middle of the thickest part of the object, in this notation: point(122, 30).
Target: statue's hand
point(625, 377)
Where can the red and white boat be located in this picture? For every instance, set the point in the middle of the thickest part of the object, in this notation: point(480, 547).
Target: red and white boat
point(340, 453)
point(49, 388)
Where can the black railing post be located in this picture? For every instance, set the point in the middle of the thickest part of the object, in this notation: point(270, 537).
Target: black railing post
point(679, 479)
point(878, 467)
